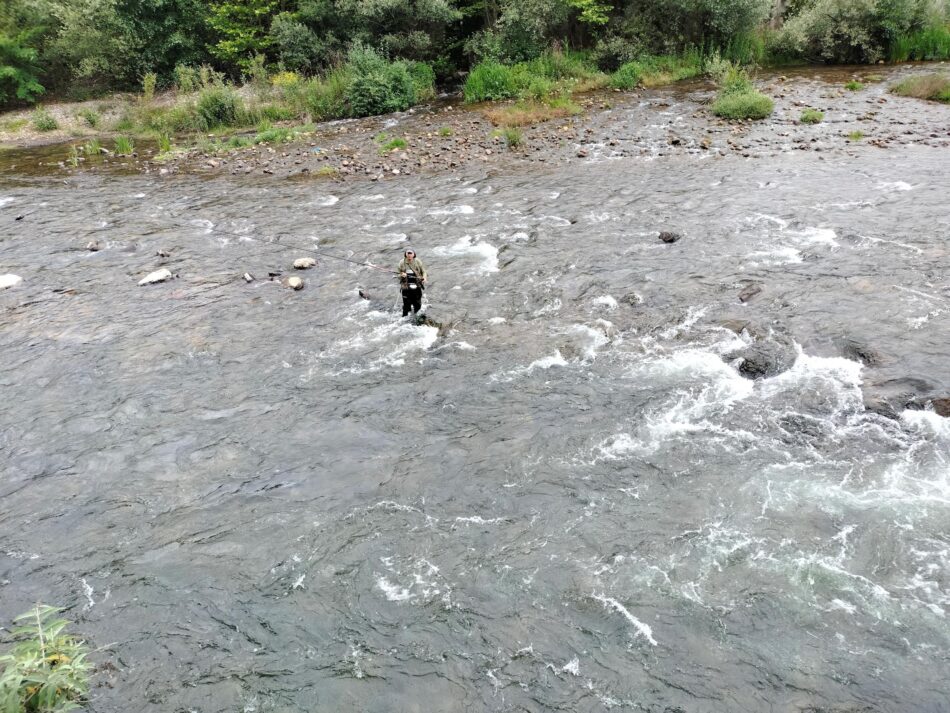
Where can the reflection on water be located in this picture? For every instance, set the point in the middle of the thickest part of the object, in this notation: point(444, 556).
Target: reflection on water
point(571, 500)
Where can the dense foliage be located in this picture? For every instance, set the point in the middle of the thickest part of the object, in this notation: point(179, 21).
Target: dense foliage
point(80, 47)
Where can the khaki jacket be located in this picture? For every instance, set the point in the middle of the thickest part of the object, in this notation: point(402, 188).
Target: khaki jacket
point(416, 266)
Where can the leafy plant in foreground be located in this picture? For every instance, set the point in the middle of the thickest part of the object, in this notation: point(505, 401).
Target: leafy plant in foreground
point(46, 670)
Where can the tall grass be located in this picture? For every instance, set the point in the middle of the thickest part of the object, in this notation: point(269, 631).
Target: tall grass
point(935, 87)
point(44, 121)
point(738, 98)
point(658, 70)
point(932, 43)
point(550, 74)
point(124, 146)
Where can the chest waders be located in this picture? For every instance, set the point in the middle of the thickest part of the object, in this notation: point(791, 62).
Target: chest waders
point(411, 293)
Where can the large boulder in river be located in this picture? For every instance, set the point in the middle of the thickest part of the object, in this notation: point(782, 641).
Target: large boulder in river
point(9, 280)
point(765, 357)
point(942, 407)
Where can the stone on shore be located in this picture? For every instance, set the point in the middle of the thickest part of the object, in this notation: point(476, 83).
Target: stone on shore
point(157, 276)
point(304, 263)
point(9, 280)
point(295, 283)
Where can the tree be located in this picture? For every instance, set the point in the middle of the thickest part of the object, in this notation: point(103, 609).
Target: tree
point(244, 27)
point(18, 69)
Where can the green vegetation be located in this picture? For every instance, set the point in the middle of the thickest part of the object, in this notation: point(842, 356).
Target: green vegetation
point(738, 98)
point(935, 87)
point(513, 136)
point(811, 116)
point(524, 113)
point(92, 148)
point(44, 121)
point(73, 158)
point(46, 670)
point(90, 117)
point(928, 44)
point(854, 86)
point(445, 131)
point(19, 68)
point(856, 135)
point(149, 81)
point(393, 145)
point(124, 146)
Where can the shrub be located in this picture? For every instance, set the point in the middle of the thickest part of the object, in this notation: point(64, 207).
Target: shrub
point(285, 79)
point(854, 86)
point(164, 143)
point(490, 81)
point(856, 135)
point(393, 145)
point(925, 86)
point(377, 86)
point(445, 131)
point(423, 80)
point(148, 87)
point(326, 98)
point(217, 106)
point(46, 670)
point(91, 117)
point(513, 136)
point(811, 116)
point(743, 105)
point(44, 121)
point(186, 79)
point(627, 76)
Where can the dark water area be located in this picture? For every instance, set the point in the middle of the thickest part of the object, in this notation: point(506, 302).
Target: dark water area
point(568, 498)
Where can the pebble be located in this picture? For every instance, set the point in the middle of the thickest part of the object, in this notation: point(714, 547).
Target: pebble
point(295, 283)
point(157, 276)
point(304, 263)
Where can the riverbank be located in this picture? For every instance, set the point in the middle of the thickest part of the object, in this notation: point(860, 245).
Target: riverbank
point(856, 109)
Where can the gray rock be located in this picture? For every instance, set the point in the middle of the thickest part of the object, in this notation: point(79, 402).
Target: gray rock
point(669, 237)
point(295, 283)
point(304, 263)
point(749, 292)
point(765, 357)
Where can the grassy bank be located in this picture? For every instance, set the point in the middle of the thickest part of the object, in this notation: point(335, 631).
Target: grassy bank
point(934, 87)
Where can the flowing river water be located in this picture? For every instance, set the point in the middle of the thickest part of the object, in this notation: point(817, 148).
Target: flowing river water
point(566, 499)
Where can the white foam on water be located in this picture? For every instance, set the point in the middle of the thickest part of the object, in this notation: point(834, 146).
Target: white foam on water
point(779, 256)
point(497, 320)
point(397, 340)
point(207, 225)
point(469, 246)
point(572, 667)
point(892, 242)
point(821, 236)
point(590, 339)
point(478, 520)
point(554, 220)
point(9, 280)
point(453, 210)
point(928, 423)
point(325, 201)
point(374, 197)
point(693, 315)
point(88, 591)
point(6, 200)
point(607, 302)
point(643, 630)
point(393, 592)
point(543, 363)
point(618, 446)
point(891, 186)
point(762, 217)
point(516, 237)
point(298, 583)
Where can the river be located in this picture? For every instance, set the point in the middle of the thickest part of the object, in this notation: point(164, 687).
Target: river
point(567, 499)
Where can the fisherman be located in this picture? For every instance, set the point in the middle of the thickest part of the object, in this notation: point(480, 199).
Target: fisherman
point(412, 280)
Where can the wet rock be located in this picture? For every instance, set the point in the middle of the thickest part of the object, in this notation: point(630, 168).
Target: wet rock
point(749, 292)
point(765, 357)
point(632, 299)
point(942, 407)
point(669, 237)
point(892, 396)
point(304, 263)
point(858, 351)
point(157, 276)
point(93, 246)
point(163, 253)
point(9, 280)
point(248, 277)
point(295, 283)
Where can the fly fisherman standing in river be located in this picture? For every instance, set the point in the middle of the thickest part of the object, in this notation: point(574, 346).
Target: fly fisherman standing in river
point(412, 280)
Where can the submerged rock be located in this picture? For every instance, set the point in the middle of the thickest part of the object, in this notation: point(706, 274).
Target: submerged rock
point(304, 263)
point(295, 283)
point(248, 277)
point(632, 299)
point(749, 292)
point(9, 280)
point(93, 246)
point(669, 237)
point(942, 407)
point(157, 276)
point(858, 351)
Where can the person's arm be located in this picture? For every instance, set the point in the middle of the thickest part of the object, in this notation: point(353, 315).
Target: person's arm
point(422, 270)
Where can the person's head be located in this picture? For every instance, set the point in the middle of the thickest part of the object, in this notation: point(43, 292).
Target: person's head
point(410, 254)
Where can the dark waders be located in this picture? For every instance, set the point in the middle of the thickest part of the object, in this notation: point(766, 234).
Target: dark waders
point(411, 294)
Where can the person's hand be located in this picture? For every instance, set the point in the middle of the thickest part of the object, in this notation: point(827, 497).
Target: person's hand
point(402, 274)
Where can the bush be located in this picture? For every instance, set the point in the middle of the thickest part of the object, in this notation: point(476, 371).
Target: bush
point(91, 117)
point(377, 86)
point(423, 80)
point(46, 670)
point(743, 105)
point(44, 121)
point(186, 79)
point(850, 31)
point(124, 146)
point(811, 116)
point(217, 106)
point(149, 81)
point(326, 98)
point(627, 76)
point(490, 81)
point(513, 136)
point(854, 86)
